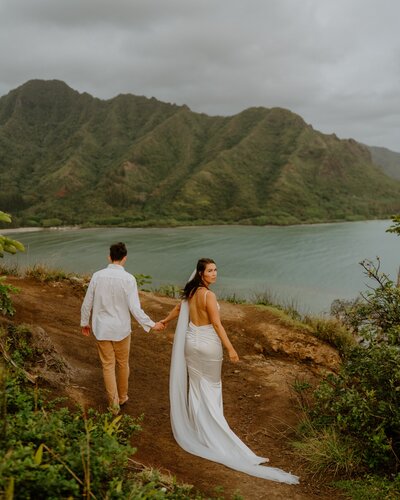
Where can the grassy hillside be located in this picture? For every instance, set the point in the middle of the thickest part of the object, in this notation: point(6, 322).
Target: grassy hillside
point(388, 160)
point(69, 158)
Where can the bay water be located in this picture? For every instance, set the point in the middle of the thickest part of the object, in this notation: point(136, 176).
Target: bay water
point(307, 266)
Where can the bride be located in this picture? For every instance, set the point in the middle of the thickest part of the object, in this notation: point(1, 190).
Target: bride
point(197, 416)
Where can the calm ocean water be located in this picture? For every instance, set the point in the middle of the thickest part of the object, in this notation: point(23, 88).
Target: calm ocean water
point(308, 265)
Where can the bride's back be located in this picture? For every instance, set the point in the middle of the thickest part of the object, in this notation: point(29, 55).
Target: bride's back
point(197, 307)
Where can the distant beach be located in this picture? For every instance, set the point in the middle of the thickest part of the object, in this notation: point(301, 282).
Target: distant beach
point(35, 229)
point(21, 230)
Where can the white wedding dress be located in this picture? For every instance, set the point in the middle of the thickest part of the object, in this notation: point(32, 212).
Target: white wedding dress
point(197, 416)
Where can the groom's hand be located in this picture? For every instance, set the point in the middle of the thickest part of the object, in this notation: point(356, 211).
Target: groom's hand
point(158, 327)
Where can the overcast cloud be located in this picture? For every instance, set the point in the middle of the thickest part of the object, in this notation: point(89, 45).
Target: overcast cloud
point(335, 62)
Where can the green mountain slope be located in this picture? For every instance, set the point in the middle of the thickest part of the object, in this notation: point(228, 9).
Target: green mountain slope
point(388, 160)
point(69, 158)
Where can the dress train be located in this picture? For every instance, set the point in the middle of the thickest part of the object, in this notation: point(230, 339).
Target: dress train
point(197, 417)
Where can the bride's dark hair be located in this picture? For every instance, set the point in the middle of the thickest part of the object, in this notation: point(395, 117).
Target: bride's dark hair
point(197, 281)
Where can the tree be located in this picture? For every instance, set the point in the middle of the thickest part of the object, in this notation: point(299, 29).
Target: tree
point(7, 244)
point(375, 315)
point(395, 228)
point(10, 246)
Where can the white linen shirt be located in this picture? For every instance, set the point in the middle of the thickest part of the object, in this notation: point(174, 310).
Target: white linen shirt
point(113, 296)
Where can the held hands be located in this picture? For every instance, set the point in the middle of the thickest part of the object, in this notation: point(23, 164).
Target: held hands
point(172, 315)
point(159, 326)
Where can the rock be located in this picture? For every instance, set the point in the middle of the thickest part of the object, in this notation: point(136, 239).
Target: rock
point(259, 348)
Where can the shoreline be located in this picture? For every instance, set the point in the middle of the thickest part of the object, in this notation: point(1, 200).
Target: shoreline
point(17, 230)
point(273, 257)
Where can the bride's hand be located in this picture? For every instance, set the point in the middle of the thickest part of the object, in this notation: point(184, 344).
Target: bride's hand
point(233, 356)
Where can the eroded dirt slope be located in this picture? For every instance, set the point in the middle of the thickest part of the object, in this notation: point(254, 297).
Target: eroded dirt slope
point(258, 399)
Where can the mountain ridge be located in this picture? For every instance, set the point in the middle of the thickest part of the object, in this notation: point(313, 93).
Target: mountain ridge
point(71, 158)
point(387, 159)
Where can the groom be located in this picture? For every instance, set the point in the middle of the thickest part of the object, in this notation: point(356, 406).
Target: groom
point(112, 296)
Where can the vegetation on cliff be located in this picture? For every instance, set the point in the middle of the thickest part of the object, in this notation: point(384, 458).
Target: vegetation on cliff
point(69, 158)
point(351, 429)
point(388, 160)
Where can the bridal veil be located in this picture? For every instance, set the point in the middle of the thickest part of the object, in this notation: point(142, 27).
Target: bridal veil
point(221, 444)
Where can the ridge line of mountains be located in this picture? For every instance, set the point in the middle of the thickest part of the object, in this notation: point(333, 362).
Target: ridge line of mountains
point(70, 158)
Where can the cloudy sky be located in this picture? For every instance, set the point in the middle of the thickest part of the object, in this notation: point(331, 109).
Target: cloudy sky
point(335, 62)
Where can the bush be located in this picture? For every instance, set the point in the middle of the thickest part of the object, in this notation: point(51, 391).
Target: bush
point(375, 315)
point(10, 269)
point(172, 291)
point(362, 403)
point(10, 246)
point(233, 298)
point(331, 331)
point(6, 305)
point(54, 222)
point(143, 280)
point(7, 244)
point(45, 274)
point(371, 488)
point(327, 452)
point(50, 452)
point(360, 406)
point(55, 453)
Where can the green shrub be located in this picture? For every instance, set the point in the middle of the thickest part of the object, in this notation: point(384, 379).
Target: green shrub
point(6, 305)
point(234, 299)
point(55, 454)
point(332, 331)
point(265, 298)
point(268, 298)
point(7, 244)
point(371, 488)
point(51, 452)
point(172, 291)
point(10, 246)
point(54, 222)
point(375, 315)
point(17, 341)
point(360, 405)
point(328, 452)
point(10, 269)
point(362, 402)
point(43, 273)
point(143, 280)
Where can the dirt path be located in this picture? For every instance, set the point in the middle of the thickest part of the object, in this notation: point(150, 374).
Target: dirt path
point(257, 397)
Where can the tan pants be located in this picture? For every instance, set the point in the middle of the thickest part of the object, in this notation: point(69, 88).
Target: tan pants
point(114, 356)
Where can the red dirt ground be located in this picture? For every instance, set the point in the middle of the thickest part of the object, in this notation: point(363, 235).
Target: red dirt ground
point(258, 401)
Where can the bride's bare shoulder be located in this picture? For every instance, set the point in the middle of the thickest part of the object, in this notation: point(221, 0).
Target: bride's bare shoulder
point(210, 295)
point(204, 294)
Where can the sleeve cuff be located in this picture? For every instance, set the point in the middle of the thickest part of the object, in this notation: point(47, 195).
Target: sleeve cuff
point(148, 327)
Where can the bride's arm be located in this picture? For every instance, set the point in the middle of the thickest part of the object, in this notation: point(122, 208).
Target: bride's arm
point(215, 320)
point(172, 315)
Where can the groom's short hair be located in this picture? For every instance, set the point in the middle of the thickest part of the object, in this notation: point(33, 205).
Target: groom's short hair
point(118, 251)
